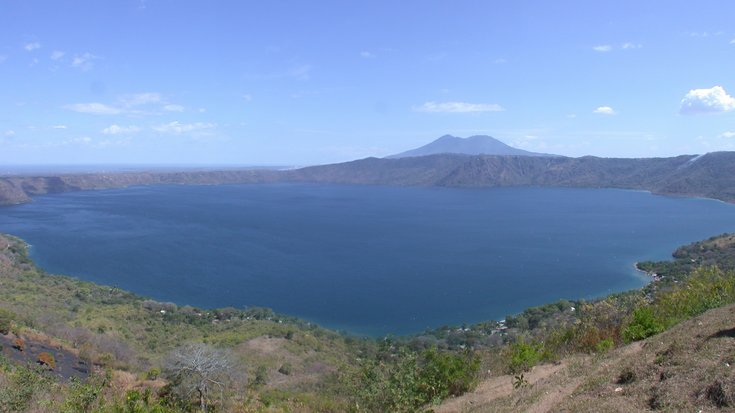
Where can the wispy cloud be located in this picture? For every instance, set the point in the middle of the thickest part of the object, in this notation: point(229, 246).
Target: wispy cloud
point(604, 110)
point(604, 48)
point(29, 47)
point(59, 127)
point(9, 133)
point(458, 107)
point(500, 61)
point(3, 58)
point(57, 54)
point(173, 108)
point(727, 135)
point(367, 55)
point(83, 140)
point(732, 41)
point(705, 34)
point(139, 99)
point(120, 130)
point(84, 61)
point(712, 100)
point(94, 108)
point(247, 97)
point(133, 104)
point(631, 46)
point(177, 128)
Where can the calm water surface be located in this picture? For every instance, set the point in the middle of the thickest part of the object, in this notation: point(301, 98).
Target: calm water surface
point(367, 259)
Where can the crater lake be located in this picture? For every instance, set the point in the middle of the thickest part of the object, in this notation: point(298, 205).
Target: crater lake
point(370, 260)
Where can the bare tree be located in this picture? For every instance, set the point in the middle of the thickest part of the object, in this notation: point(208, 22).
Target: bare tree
point(198, 369)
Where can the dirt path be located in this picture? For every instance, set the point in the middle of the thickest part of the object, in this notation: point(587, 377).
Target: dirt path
point(495, 388)
point(550, 400)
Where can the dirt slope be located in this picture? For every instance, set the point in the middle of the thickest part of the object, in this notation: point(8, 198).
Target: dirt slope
point(689, 368)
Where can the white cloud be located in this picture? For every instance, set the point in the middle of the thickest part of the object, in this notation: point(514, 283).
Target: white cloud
point(500, 61)
point(604, 110)
point(247, 97)
point(137, 99)
point(727, 135)
point(705, 34)
point(458, 107)
point(173, 108)
point(712, 100)
point(130, 104)
point(3, 58)
point(83, 62)
point(59, 127)
point(178, 128)
point(32, 46)
point(78, 141)
point(732, 41)
point(602, 48)
point(120, 130)
point(93, 108)
point(9, 133)
point(57, 54)
point(367, 55)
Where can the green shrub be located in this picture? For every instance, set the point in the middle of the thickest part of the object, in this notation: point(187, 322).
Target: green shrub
point(643, 325)
point(705, 289)
point(446, 374)
point(20, 386)
point(404, 381)
point(153, 373)
point(522, 356)
point(604, 346)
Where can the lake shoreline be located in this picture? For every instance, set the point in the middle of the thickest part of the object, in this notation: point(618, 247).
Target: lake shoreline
point(485, 250)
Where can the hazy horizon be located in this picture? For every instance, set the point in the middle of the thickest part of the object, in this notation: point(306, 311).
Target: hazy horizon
point(287, 83)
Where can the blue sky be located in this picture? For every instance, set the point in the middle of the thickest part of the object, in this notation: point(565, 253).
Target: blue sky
point(305, 82)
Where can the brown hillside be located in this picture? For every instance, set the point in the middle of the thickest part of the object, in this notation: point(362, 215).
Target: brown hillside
point(690, 368)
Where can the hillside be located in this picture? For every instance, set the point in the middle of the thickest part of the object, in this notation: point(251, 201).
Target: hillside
point(114, 333)
point(474, 145)
point(687, 368)
point(711, 175)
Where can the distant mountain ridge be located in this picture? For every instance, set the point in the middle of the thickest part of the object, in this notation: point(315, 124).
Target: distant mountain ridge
point(711, 175)
point(474, 145)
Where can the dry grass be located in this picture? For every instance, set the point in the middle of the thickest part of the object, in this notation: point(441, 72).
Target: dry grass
point(689, 368)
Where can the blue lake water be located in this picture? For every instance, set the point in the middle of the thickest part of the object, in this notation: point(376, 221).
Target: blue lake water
point(366, 259)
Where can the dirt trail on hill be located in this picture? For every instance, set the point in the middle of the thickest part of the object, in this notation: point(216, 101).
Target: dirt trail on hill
point(495, 388)
point(551, 383)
